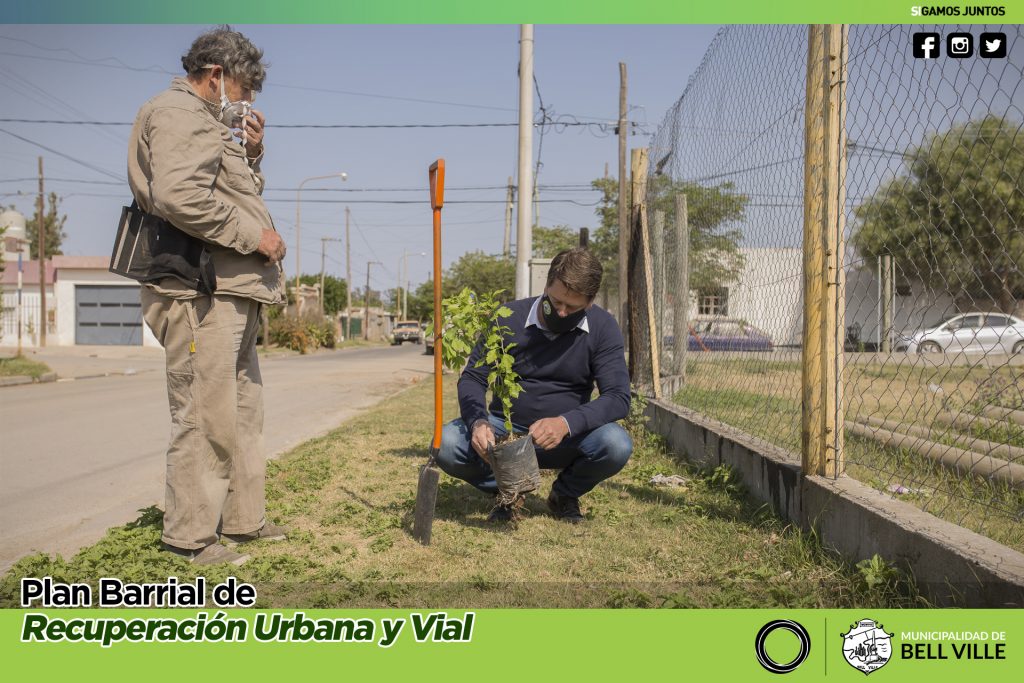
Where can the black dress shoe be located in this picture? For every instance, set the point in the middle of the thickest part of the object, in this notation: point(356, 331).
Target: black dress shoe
point(565, 508)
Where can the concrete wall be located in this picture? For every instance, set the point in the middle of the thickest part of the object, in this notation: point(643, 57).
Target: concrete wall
point(65, 296)
point(951, 565)
point(913, 311)
point(769, 293)
point(29, 316)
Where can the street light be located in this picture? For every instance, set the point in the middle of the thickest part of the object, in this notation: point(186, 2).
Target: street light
point(298, 226)
point(405, 292)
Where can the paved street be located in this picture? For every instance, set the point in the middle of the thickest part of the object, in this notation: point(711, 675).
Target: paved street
point(79, 457)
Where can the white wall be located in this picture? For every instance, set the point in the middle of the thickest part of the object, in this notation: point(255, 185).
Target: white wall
point(29, 316)
point(769, 293)
point(67, 279)
point(909, 313)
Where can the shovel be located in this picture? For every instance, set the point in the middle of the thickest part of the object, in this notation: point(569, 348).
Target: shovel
point(426, 492)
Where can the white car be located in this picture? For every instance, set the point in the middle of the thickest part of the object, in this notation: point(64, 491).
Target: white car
point(968, 333)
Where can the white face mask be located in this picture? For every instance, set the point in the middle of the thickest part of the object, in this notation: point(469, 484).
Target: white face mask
point(232, 113)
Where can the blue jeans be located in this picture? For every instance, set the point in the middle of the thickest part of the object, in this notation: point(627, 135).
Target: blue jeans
point(585, 459)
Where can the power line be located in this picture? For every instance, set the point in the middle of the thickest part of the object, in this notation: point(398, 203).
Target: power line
point(156, 69)
point(557, 126)
point(86, 164)
point(423, 201)
point(563, 187)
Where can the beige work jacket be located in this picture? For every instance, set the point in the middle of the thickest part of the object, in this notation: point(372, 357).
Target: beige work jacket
point(185, 166)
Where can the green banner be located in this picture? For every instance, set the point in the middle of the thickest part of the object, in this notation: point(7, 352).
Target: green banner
point(499, 645)
point(524, 11)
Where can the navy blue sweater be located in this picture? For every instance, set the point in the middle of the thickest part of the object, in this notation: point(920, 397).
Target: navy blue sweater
point(557, 375)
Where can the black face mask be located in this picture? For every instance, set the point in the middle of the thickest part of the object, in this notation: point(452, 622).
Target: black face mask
point(558, 324)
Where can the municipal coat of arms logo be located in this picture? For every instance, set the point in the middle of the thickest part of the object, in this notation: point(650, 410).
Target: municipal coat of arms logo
point(866, 646)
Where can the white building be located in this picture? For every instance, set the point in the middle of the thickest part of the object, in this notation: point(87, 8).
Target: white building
point(769, 295)
point(86, 304)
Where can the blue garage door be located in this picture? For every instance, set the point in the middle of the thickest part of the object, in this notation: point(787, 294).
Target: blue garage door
point(108, 315)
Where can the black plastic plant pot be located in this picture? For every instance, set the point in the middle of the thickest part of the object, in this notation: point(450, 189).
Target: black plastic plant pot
point(515, 467)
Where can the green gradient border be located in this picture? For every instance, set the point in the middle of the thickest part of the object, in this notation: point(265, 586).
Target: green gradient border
point(525, 645)
point(477, 11)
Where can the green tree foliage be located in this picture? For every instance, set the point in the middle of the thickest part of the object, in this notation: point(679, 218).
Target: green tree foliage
point(475, 270)
point(547, 242)
point(481, 272)
point(467, 318)
point(421, 301)
point(54, 229)
point(335, 290)
point(955, 219)
point(714, 254)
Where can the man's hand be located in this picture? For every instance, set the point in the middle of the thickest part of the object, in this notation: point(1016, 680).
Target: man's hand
point(271, 246)
point(549, 432)
point(483, 439)
point(252, 132)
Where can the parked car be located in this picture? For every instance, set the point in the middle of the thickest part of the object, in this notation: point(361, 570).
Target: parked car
point(725, 334)
point(407, 330)
point(967, 333)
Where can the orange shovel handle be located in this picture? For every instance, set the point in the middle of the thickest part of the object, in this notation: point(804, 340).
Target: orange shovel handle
point(436, 202)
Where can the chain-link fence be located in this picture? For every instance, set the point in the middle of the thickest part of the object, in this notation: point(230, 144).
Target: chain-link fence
point(927, 330)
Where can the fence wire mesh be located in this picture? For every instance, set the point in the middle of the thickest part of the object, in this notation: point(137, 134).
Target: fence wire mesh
point(932, 386)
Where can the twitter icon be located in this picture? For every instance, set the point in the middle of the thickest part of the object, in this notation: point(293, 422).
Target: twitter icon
point(993, 45)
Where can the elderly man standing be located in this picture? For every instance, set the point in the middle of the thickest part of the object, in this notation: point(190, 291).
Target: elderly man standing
point(185, 166)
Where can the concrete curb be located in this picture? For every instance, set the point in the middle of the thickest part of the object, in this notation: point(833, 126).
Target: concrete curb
point(18, 380)
point(951, 565)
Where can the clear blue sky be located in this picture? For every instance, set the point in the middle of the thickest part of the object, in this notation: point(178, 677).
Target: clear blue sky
point(353, 75)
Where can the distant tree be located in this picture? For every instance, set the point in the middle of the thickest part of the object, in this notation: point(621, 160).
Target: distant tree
point(955, 219)
point(421, 302)
point(359, 298)
point(479, 271)
point(482, 273)
point(54, 229)
point(335, 290)
point(547, 242)
point(714, 254)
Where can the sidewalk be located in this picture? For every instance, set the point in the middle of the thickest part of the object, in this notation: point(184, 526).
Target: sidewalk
point(79, 362)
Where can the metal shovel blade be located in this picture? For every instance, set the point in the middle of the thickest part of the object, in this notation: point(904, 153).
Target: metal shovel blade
point(426, 499)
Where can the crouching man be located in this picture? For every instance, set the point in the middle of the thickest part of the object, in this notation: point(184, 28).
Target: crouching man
point(564, 345)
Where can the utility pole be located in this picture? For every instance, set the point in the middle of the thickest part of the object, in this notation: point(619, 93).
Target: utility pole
point(366, 294)
point(524, 228)
point(398, 292)
point(41, 228)
point(507, 244)
point(348, 279)
point(323, 255)
point(623, 212)
point(21, 269)
point(405, 292)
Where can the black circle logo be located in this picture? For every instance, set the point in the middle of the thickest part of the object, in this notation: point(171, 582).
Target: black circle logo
point(793, 627)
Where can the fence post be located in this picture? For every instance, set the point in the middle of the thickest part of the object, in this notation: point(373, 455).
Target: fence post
point(824, 315)
point(643, 354)
point(681, 290)
point(658, 263)
point(885, 336)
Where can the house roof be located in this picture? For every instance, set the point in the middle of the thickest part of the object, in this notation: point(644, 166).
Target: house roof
point(30, 269)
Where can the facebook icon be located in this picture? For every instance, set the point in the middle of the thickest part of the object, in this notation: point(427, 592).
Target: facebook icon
point(926, 45)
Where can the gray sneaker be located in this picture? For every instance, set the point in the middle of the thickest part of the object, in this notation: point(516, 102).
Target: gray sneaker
point(214, 553)
point(268, 532)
